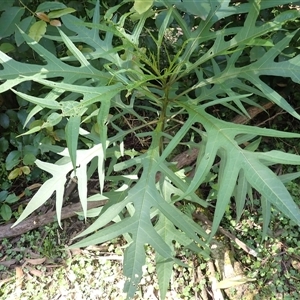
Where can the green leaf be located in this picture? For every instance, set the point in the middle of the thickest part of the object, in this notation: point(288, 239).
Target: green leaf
point(221, 142)
point(12, 159)
point(246, 33)
point(9, 18)
point(164, 268)
point(3, 144)
point(54, 119)
point(57, 183)
point(92, 95)
point(25, 170)
point(29, 159)
point(4, 120)
point(256, 53)
point(91, 37)
point(240, 194)
point(32, 113)
point(272, 189)
point(144, 195)
point(61, 12)
point(12, 198)
point(4, 4)
point(5, 212)
point(194, 7)
point(102, 121)
point(7, 47)
point(53, 5)
point(32, 130)
point(72, 133)
point(260, 42)
point(24, 26)
point(74, 50)
point(141, 6)
point(168, 232)
point(163, 27)
point(289, 177)
point(39, 101)
point(3, 195)
point(54, 68)
point(30, 149)
point(14, 174)
point(71, 108)
point(37, 30)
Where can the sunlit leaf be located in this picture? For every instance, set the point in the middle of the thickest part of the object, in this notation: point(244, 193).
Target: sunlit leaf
point(14, 174)
point(142, 6)
point(25, 170)
point(61, 12)
point(37, 30)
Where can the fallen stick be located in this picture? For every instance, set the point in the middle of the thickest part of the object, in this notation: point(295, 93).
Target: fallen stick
point(37, 221)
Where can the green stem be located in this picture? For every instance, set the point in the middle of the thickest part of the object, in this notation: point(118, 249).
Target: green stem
point(162, 118)
point(26, 7)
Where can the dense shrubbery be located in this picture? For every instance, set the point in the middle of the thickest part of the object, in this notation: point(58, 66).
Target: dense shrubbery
point(83, 89)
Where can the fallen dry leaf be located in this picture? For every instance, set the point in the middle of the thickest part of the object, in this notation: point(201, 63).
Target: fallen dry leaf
point(35, 272)
point(55, 23)
point(8, 263)
point(35, 261)
point(42, 16)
